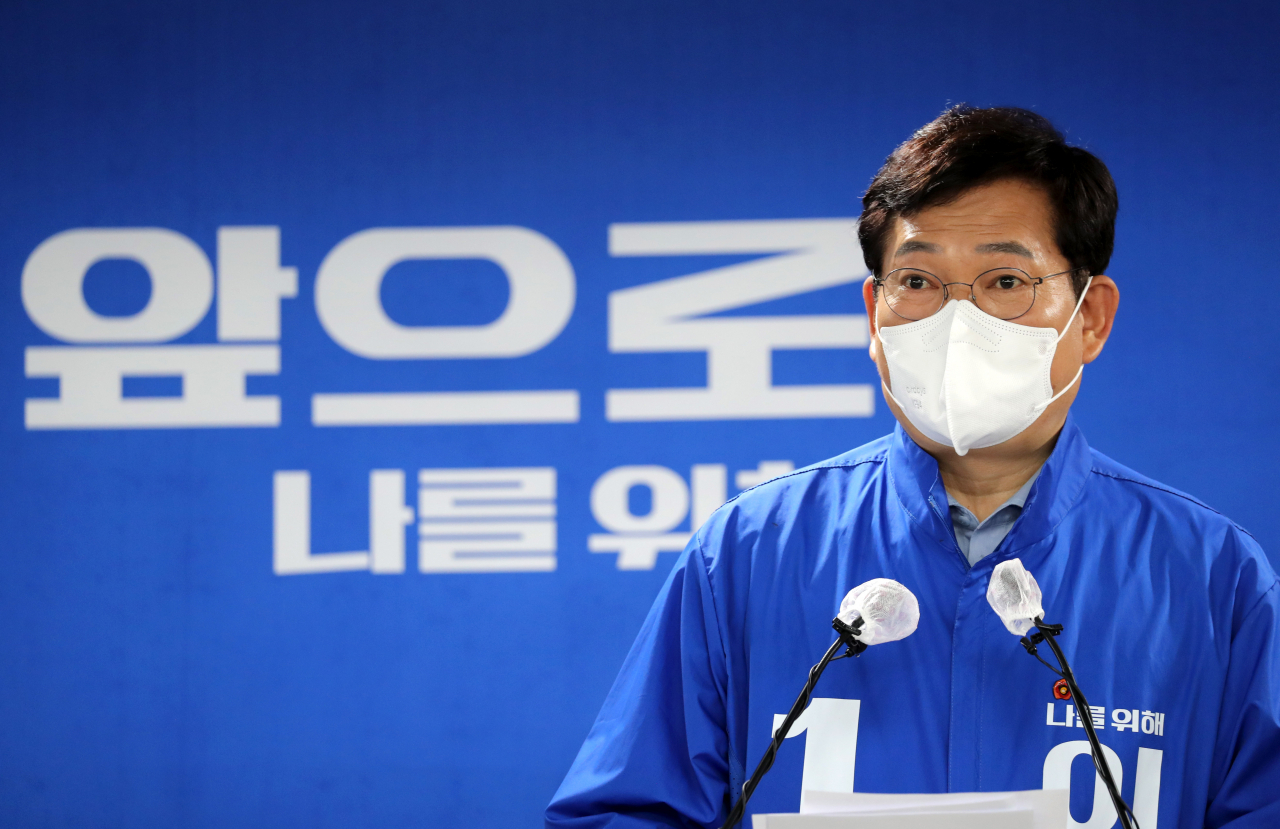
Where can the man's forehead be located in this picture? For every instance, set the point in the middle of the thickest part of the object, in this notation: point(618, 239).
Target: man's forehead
point(1008, 217)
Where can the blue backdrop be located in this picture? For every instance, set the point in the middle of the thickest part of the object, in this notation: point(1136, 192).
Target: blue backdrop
point(207, 453)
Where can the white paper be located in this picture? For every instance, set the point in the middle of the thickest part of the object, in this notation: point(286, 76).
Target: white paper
point(1023, 819)
point(1048, 807)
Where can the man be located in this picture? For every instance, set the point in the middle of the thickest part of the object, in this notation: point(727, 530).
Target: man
point(987, 237)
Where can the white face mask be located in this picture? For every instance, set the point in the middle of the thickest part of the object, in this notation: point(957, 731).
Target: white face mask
point(967, 379)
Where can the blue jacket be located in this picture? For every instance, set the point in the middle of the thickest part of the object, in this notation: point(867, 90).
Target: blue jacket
point(1171, 627)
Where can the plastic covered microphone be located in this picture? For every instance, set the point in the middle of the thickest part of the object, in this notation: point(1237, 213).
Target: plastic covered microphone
point(876, 611)
point(1016, 599)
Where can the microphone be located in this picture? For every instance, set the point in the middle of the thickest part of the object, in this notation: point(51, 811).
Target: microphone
point(874, 612)
point(887, 611)
point(1015, 597)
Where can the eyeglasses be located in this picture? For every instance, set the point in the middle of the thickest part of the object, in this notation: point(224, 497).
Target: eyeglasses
point(1004, 293)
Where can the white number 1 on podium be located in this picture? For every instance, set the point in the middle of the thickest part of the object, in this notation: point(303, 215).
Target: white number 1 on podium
point(832, 745)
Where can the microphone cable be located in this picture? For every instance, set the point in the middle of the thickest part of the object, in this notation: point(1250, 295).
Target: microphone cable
point(1046, 633)
point(853, 647)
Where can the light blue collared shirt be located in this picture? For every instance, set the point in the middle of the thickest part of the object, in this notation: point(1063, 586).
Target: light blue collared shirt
point(978, 540)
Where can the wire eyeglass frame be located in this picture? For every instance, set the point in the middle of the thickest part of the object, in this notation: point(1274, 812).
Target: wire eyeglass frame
point(1035, 281)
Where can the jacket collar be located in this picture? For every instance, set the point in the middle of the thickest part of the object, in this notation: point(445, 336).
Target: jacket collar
point(915, 479)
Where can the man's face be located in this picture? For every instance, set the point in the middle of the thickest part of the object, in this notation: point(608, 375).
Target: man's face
point(1000, 225)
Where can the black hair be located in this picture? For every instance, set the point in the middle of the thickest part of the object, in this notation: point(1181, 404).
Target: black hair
point(966, 147)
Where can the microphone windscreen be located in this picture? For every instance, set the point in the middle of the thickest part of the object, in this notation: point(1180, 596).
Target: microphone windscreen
point(1015, 596)
point(888, 610)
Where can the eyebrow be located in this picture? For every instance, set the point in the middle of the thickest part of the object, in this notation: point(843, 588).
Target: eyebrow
point(916, 246)
point(920, 246)
point(1015, 248)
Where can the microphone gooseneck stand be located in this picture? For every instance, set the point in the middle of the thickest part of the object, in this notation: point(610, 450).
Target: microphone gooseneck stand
point(1045, 633)
point(853, 647)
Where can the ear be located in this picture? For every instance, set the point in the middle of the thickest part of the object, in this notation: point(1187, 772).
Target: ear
point(869, 299)
point(1097, 314)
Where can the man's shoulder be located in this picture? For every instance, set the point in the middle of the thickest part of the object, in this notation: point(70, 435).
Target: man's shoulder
point(1121, 481)
point(1191, 529)
point(807, 503)
point(815, 493)
point(864, 462)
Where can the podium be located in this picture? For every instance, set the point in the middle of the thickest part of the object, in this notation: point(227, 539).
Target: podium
point(1033, 809)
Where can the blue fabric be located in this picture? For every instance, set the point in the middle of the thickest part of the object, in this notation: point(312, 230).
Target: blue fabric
point(979, 539)
point(1169, 608)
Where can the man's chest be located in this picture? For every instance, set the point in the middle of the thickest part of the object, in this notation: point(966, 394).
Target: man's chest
point(960, 706)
